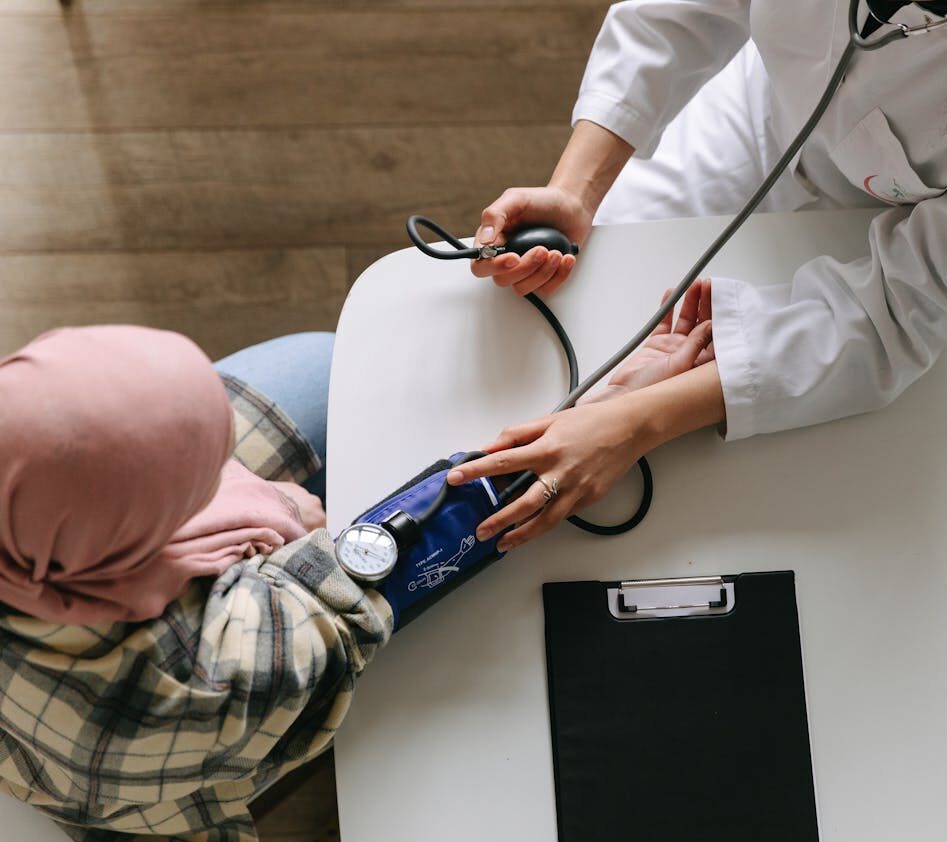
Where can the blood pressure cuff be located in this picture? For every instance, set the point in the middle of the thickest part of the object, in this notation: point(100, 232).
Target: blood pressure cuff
point(448, 553)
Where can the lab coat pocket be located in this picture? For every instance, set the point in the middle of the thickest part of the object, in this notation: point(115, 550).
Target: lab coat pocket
point(872, 158)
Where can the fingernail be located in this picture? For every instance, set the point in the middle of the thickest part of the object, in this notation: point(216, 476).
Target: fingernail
point(484, 534)
point(503, 546)
point(486, 234)
point(453, 477)
point(510, 261)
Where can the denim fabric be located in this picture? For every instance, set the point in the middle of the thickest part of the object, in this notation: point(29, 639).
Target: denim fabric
point(293, 371)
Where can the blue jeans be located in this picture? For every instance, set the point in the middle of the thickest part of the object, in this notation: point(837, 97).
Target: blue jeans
point(293, 371)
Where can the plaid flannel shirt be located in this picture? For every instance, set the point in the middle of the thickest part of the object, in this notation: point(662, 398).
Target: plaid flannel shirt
point(165, 729)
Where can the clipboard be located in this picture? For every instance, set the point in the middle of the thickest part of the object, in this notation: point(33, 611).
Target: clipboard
point(678, 710)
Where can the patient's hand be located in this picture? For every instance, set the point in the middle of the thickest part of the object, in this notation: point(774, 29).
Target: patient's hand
point(306, 507)
point(673, 347)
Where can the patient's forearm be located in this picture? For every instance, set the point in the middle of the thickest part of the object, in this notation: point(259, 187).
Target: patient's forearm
point(681, 404)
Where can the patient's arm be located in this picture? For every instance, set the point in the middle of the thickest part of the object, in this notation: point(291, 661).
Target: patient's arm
point(673, 347)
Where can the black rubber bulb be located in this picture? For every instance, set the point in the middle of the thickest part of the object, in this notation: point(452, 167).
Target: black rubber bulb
point(520, 242)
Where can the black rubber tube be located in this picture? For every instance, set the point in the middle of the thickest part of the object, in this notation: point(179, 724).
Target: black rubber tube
point(461, 251)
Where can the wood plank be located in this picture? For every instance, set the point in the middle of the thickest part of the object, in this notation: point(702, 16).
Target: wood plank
point(361, 257)
point(318, 68)
point(225, 168)
point(151, 7)
point(223, 300)
point(249, 189)
point(301, 807)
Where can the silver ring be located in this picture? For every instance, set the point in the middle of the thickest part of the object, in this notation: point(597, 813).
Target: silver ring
point(550, 490)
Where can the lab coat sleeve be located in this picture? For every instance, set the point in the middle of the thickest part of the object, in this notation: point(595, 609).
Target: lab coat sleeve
point(842, 338)
point(651, 57)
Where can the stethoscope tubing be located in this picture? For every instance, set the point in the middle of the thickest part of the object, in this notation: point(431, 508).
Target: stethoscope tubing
point(855, 42)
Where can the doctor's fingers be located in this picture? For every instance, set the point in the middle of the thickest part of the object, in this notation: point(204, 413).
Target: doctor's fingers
point(516, 435)
point(547, 518)
point(566, 265)
point(541, 276)
point(533, 261)
point(489, 267)
point(510, 461)
point(524, 507)
point(502, 214)
point(517, 206)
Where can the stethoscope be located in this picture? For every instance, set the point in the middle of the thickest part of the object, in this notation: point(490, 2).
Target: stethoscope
point(381, 547)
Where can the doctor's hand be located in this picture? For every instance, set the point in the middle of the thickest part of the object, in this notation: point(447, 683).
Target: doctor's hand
point(539, 270)
point(580, 453)
point(586, 170)
point(673, 347)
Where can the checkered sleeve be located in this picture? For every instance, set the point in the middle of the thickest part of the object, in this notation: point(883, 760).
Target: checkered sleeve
point(267, 440)
point(166, 729)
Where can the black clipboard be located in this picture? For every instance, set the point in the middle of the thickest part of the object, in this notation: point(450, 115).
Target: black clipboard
point(678, 710)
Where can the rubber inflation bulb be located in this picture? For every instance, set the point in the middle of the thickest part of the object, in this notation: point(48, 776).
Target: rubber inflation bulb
point(520, 242)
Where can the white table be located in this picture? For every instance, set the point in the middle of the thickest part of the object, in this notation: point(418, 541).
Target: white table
point(19, 821)
point(448, 736)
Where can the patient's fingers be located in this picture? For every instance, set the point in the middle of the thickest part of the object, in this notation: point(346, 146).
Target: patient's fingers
point(686, 356)
point(689, 310)
point(705, 313)
point(706, 355)
point(664, 326)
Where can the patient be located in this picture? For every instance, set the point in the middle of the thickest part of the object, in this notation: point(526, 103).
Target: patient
point(175, 632)
point(175, 638)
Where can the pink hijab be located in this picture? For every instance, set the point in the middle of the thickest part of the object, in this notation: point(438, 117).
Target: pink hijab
point(112, 443)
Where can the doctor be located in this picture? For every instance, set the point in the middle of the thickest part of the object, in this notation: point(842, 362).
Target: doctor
point(841, 338)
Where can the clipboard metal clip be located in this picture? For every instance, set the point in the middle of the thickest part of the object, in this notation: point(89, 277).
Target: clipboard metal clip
point(691, 596)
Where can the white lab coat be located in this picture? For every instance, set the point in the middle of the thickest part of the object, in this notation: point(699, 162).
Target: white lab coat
point(842, 338)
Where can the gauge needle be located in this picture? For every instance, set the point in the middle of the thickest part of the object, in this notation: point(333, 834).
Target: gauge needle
point(368, 552)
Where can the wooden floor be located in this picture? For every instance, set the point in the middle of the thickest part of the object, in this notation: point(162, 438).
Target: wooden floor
point(227, 168)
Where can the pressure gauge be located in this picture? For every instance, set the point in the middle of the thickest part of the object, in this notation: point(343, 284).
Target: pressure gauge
point(366, 551)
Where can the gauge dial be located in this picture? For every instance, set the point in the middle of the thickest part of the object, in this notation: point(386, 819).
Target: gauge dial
point(366, 551)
